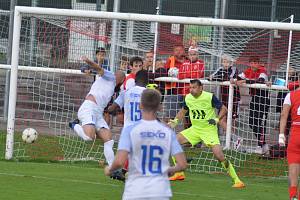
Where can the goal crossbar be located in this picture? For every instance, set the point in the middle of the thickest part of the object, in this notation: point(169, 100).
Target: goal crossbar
point(159, 18)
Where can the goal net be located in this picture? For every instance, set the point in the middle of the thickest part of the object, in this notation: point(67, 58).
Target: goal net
point(50, 86)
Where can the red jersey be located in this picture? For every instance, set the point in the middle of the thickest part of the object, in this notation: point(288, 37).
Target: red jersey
point(293, 151)
point(293, 85)
point(190, 70)
point(130, 76)
point(295, 108)
point(250, 74)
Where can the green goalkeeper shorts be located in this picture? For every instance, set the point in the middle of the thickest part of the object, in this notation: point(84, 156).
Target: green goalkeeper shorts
point(208, 136)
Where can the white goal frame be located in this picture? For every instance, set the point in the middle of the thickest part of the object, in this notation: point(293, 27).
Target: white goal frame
point(21, 10)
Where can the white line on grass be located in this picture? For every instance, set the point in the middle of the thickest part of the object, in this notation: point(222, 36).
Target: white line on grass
point(59, 179)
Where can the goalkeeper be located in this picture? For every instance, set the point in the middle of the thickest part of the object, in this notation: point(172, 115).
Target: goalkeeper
point(201, 105)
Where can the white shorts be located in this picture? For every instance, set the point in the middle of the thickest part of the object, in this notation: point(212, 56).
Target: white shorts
point(90, 113)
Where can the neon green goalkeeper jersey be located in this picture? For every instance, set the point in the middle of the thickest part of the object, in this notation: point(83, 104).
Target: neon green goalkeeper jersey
point(200, 109)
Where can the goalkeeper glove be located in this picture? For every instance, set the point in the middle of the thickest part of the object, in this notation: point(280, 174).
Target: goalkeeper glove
point(281, 139)
point(173, 123)
point(213, 121)
point(152, 86)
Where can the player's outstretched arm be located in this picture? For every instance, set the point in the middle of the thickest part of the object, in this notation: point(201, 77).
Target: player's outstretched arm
point(93, 65)
point(283, 120)
point(118, 163)
point(181, 164)
point(179, 117)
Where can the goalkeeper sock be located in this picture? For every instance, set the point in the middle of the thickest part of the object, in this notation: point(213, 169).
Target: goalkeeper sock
point(293, 191)
point(108, 152)
point(80, 132)
point(230, 170)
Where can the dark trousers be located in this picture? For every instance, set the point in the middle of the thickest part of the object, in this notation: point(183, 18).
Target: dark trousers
point(259, 108)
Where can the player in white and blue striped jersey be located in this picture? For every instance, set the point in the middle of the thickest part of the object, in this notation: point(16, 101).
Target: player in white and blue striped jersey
point(148, 144)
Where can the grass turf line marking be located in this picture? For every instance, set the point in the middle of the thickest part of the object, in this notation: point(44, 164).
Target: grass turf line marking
point(57, 179)
point(97, 183)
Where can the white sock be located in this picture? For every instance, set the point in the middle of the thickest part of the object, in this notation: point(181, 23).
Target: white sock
point(80, 132)
point(108, 152)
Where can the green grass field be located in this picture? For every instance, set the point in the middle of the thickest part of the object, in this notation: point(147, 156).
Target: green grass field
point(30, 181)
point(39, 175)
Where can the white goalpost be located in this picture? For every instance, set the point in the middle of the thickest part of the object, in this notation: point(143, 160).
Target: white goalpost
point(57, 87)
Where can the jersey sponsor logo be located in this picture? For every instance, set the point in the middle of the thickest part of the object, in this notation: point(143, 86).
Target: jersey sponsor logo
point(134, 95)
point(198, 114)
point(149, 134)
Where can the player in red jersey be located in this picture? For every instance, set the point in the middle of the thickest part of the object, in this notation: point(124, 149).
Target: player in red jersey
point(291, 105)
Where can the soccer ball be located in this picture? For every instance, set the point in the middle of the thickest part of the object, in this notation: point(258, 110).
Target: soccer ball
point(173, 72)
point(29, 135)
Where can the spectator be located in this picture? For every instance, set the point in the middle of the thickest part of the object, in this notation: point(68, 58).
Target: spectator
point(160, 71)
point(136, 64)
point(148, 61)
point(124, 64)
point(192, 68)
point(227, 73)
point(173, 99)
point(100, 60)
point(260, 101)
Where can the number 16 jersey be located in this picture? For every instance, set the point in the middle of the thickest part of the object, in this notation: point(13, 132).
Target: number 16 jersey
point(149, 144)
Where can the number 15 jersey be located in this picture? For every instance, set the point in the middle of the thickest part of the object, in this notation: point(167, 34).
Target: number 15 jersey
point(150, 144)
point(130, 100)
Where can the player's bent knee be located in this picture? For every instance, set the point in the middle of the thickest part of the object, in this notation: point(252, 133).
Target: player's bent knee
point(105, 134)
point(90, 132)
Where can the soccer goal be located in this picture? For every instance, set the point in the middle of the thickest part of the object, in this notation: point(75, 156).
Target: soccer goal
point(47, 86)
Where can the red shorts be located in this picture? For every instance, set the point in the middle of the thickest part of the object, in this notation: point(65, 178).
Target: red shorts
point(293, 150)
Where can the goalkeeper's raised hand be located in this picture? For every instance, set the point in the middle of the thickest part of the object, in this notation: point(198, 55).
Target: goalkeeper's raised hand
point(173, 122)
point(214, 121)
point(281, 139)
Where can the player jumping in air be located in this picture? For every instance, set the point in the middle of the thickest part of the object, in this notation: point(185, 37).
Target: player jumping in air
point(90, 113)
